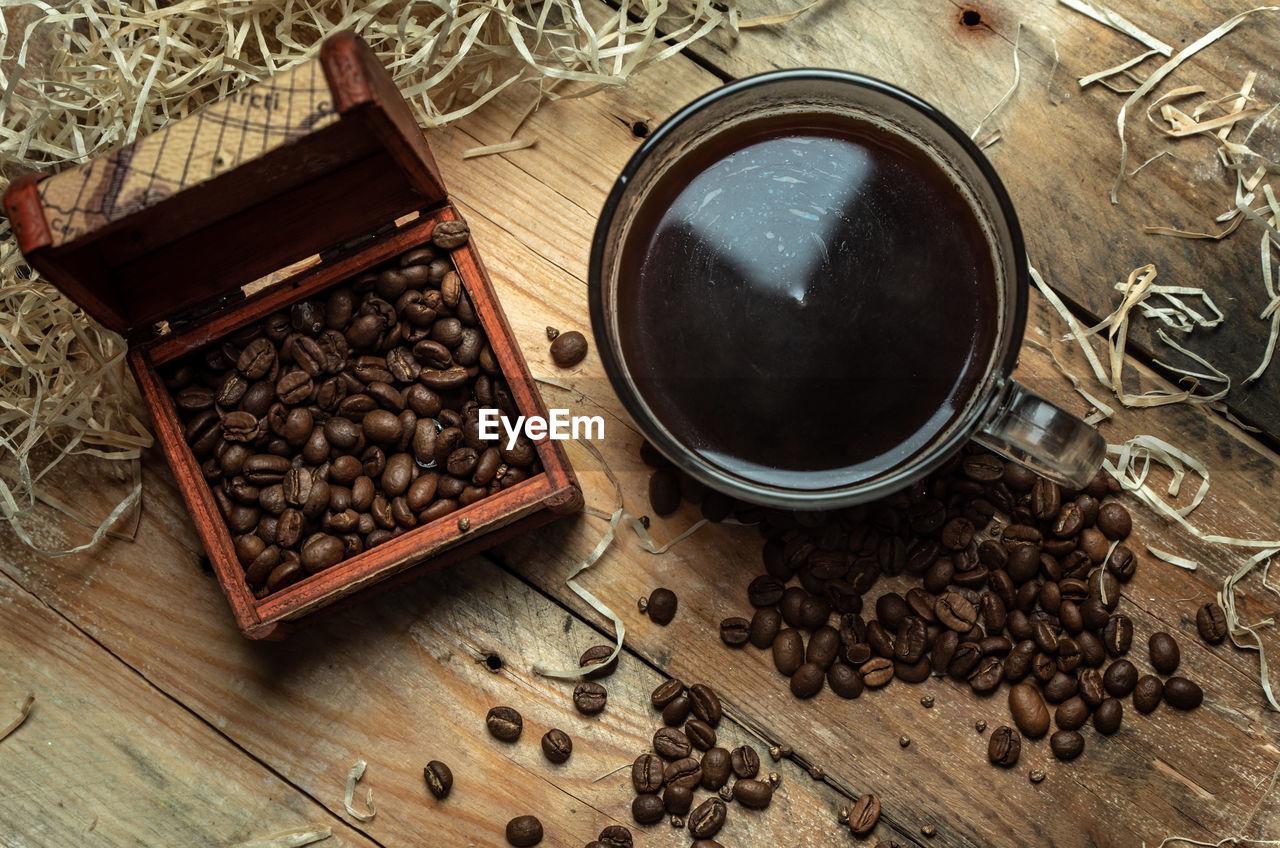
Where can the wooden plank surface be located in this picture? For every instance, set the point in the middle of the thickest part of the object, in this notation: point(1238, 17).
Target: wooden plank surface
point(397, 681)
point(106, 759)
point(1059, 152)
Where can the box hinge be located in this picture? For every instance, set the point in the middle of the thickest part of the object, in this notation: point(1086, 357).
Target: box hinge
point(346, 248)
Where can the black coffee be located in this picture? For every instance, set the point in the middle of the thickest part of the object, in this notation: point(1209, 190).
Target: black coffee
point(807, 300)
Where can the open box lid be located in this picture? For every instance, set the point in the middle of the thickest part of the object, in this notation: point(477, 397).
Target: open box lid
point(177, 222)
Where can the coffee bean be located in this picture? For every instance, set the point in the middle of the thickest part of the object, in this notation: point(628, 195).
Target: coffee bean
point(764, 627)
point(1114, 521)
point(1107, 717)
point(823, 647)
point(1120, 678)
point(1029, 710)
point(986, 676)
point(671, 744)
point(590, 697)
point(1118, 635)
point(677, 798)
point(1182, 694)
point(876, 672)
point(1046, 499)
point(1004, 746)
point(745, 762)
point(557, 746)
point(320, 552)
point(752, 793)
point(1122, 563)
point(647, 773)
point(706, 703)
point(450, 235)
point(1060, 687)
point(1147, 693)
point(685, 771)
point(788, 652)
point(664, 491)
point(1066, 744)
point(647, 809)
point(666, 692)
point(956, 612)
point(676, 711)
point(1092, 653)
point(1071, 714)
point(807, 680)
point(594, 658)
point(1211, 621)
point(864, 815)
point(717, 766)
point(701, 735)
point(616, 836)
point(983, 467)
point(662, 606)
point(707, 819)
point(504, 723)
point(523, 831)
point(1165, 654)
point(1092, 691)
point(439, 778)
point(956, 534)
point(569, 349)
point(735, 632)
point(765, 591)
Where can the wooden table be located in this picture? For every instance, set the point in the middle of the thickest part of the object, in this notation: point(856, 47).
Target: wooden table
point(156, 724)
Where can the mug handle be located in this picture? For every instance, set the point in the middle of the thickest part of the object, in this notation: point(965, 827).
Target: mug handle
point(1050, 441)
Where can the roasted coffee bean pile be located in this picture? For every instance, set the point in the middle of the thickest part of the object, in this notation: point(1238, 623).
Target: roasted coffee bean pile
point(686, 758)
point(1019, 581)
point(351, 418)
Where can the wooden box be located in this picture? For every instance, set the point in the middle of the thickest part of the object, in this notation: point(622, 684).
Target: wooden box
point(161, 239)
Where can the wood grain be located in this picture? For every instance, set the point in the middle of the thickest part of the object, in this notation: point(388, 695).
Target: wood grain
point(105, 759)
point(396, 681)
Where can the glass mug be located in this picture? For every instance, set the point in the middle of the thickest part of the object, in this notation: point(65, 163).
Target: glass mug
point(809, 289)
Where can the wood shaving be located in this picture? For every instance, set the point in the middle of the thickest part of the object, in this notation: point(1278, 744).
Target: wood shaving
point(618, 514)
point(353, 776)
point(1233, 841)
point(1131, 467)
point(1163, 71)
point(290, 838)
point(1172, 558)
point(1136, 290)
point(504, 147)
point(1017, 76)
point(119, 70)
point(1135, 171)
point(23, 712)
point(1117, 69)
point(771, 20)
point(1118, 22)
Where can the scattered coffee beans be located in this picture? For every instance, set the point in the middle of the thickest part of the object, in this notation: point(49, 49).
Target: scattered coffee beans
point(1180, 693)
point(735, 632)
point(1066, 744)
point(666, 692)
point(1165, 654)
point(615, 836)
point(557, 746)
point(590, 697)
point(1211, 621)
point(523, 831)
point(594, 659)
point(706, 703)
point(504, 723)
point(439, 778)
point(707, 819)
point(1108, 715)
point(1147, 693)
point(662, 605)
point(745, 762)
point(647, 774)
point(647, 809)
point(568, 349)
point(1004, 746)
point(864, 815)
point(1028, 710)
point(752, 793)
